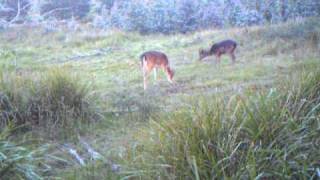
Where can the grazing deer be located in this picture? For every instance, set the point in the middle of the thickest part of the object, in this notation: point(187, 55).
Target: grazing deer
point(152, 60)
point(220, 48)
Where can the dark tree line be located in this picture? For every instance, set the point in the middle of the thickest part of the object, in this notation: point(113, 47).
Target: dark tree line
point(163, 16)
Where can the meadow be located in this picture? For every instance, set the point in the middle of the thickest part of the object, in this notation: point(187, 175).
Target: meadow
point(256, 119)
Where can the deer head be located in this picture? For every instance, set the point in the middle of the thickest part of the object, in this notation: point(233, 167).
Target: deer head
point(203, 53)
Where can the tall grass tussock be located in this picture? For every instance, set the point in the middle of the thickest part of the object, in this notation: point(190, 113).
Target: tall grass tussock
point(55, 101)
point(266, 134)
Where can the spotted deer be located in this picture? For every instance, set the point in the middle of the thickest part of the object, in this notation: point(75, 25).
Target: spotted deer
point(153, 60)
point(224, 47)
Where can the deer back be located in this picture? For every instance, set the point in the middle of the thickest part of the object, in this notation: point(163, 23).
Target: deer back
point(154, 59)
point(223, 47)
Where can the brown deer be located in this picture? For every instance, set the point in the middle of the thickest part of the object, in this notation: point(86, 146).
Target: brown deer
point(153, 60)
point(220, 48)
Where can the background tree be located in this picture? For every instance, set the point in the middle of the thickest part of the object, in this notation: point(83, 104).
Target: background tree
point(14, 11)
point(163, 16)
point(34, 13)
point(66, 9)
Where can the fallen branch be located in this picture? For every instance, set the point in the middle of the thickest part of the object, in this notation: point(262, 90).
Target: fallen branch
point(94, 53)
point(93, 154)
point(74, 153)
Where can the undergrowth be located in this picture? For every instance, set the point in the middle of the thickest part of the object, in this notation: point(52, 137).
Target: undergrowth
point(266, 134)
point(17, 161)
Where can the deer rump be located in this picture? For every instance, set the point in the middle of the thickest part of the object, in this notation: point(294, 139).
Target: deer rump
point(153, 60)
point(223, 47)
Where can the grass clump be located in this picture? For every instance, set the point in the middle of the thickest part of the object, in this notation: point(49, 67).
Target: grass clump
point(53, 100)
point(64, 96)
point(270, 133)
point(20, 161)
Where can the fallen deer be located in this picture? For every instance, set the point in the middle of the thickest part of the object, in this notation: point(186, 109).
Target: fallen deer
point(220, 48)
point(153, 60)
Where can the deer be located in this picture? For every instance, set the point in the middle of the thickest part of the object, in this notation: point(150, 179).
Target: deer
point(224, 47)
point(153, 60)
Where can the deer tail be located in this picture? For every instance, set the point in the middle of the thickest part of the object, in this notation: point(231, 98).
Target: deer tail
point(142, 60)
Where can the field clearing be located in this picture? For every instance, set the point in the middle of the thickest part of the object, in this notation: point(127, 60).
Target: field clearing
point(111, 60)
point(109, 63)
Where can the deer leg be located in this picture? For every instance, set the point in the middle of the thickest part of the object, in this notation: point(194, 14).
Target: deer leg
point(144, 83)
point(233, 57)
point(155, 74)
point(145, 77)
point(218, 59)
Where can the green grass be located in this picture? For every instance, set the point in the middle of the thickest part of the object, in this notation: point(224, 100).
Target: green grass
point(21, 161)
point(270, 133)
point(55, 101)
point(102, 68)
